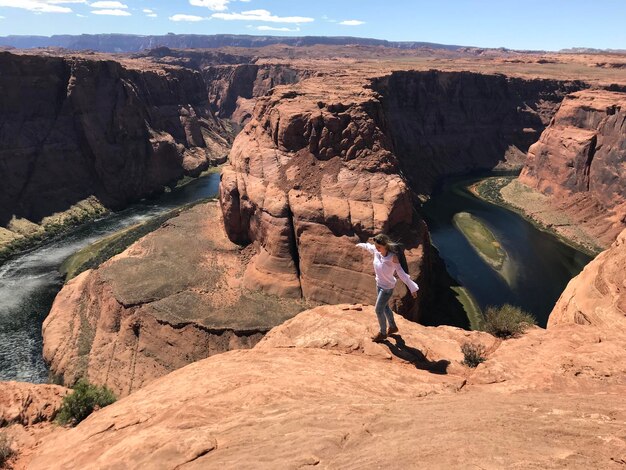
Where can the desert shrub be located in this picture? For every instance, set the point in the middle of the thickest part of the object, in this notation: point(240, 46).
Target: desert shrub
point(5, 449)
point(507, 321)
point(85, 399)
point(473, 354)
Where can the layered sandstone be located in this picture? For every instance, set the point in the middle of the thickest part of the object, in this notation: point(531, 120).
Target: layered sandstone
point(233, 89)
point(26, 414)
point(74, 127)
point(579, 162)
point(172, 298)
point(316, 392)
point(28, 404)
point(596, 296)
point(310, 175)
point(444, 123)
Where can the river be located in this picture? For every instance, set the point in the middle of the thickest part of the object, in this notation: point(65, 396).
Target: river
point(540, 265)
point(30, 282)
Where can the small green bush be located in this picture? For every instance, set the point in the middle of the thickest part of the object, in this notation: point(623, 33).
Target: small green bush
point(85, 399)
point(507, 321)
point(473, 354)
point(5, 449)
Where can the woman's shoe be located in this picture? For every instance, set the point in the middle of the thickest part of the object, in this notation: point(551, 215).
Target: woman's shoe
point(392, 330)
point(378, 337)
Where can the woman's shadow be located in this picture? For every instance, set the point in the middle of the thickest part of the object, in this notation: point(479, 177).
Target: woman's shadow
point(415, 356)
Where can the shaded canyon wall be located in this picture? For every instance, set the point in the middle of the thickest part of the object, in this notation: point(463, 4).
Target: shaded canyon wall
point(72, 127)
point(444, 123)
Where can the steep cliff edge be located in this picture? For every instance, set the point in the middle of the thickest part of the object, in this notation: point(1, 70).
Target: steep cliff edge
point(596, 296)
point(172, 298)
point(444, 123)
point(73, 127)
point(328, 165)
point(579, 162)
point(233, 88)
point(310, 175)
point(316, 392)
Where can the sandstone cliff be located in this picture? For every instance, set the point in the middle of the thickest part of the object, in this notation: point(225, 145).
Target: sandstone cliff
point(310, 175)
point(233, 88)
point(579, 162)
point(73, 127)
point(172, 298)
point(317, 392)
point(596, 296)
point(328, 165)
point(444, 123)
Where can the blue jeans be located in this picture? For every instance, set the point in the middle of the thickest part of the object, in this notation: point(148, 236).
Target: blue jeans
point(383, 311)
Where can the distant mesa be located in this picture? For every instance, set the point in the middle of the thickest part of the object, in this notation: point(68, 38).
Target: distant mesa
point(136, 43)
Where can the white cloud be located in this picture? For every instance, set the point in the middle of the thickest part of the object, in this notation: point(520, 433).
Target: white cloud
point(352, 22)
point(152, 15)
point(245, 1)
point(2, 17)
point(81, 16)
point(261, 15)
point(39, 6)
point(111, 12)
point(271, 28)
point(147, 10)
point(215, 5)
point(110, 5)
point(181, 17)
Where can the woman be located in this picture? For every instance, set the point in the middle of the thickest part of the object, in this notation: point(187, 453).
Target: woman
point(386, 263)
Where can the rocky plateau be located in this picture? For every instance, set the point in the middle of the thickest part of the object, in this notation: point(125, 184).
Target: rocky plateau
point(324, 160)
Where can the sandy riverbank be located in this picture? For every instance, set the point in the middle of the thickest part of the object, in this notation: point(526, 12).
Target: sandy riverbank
point(508, 192)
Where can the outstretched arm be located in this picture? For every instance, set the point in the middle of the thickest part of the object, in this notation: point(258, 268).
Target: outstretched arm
point(413, 287)
point(367, 246)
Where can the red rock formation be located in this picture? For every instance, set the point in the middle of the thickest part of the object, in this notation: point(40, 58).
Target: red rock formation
point(310, 175)
point(28, 404)
point(444, 123)
point(579, 162)
point(71, 127)
point(158, 306)
point(596, 296)
point(234, 88)
point(316, 392)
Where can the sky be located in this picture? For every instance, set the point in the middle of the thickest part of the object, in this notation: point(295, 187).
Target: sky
point(529, 25)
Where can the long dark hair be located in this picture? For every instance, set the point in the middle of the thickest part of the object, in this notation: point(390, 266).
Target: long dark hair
point(394, 247)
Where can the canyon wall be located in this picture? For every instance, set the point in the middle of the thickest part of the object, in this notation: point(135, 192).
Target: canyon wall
point(72, 127)
point(444, 123)
point(579, 162)
point(233, 88)
point(310, 175)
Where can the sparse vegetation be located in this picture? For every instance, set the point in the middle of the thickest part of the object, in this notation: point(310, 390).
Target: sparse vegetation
point(473, 354)
point(85, 399)
point(5, 449)
point(507, 321)
point(482, 240)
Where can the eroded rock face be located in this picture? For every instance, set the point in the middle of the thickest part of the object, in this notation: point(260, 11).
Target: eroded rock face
point(234, 88)
point(72, 127)
point(444, 123)
point(596, 296)
point(316, 392)
point(579, 162)
point(27, 404)
point(172, 298)
point(310, 175)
